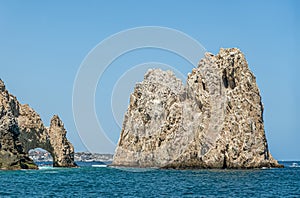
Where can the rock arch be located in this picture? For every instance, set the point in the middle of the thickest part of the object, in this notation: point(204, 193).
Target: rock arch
point(34, 134)
point(22, 129)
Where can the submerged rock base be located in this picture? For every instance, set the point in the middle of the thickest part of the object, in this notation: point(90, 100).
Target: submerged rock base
point(22, 129)
point(214, 121)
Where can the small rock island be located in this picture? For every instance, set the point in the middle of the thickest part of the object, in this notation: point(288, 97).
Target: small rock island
point(214, 121)
point(22, 129)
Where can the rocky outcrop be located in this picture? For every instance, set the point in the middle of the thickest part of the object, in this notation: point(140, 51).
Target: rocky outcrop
point(63, 150)
point(12, 155)
point(214, 121)
point(22, 129)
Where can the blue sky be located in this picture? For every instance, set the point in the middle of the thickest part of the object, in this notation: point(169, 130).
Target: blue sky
point(42, 44)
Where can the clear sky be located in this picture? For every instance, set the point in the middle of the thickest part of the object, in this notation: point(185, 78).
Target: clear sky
point(42, 44)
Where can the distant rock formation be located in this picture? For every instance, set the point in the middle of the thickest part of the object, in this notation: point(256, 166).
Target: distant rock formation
point(215, 121)
point(22, 129)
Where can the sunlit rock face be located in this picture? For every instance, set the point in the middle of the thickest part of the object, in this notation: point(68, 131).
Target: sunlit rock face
point(214, 121)
point(22, 129)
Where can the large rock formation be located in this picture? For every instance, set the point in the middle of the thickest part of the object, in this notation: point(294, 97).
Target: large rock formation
point(22, 129)
point(215, 121)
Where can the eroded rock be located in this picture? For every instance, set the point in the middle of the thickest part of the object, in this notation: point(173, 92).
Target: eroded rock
point(22, 129)
point(214, 121)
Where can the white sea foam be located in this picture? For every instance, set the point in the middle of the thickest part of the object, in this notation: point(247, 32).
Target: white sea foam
point(99, 165)
point(295, 165)
point(45, 167)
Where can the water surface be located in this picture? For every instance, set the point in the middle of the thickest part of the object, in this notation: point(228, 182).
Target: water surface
point(101, 181)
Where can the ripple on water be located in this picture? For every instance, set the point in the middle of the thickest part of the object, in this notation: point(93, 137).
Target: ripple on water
point(89, 181)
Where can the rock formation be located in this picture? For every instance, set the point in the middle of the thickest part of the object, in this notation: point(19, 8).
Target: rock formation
point(22, 129)
point(214, 121)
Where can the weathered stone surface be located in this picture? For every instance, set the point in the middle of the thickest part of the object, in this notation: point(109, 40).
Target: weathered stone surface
point(215, 121)
point(63, 152)
point(11, 152)
point(22, 129)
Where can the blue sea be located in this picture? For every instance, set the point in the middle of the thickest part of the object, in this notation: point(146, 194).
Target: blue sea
point(95, 180)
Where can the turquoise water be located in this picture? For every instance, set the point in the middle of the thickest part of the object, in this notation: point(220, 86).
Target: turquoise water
point(88, 181)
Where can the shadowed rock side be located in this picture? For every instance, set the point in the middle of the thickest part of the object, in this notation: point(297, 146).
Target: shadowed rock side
point(215, 121)
point(22, 129)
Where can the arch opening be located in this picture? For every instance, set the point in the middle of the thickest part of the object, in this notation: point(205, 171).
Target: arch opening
point(41, 157)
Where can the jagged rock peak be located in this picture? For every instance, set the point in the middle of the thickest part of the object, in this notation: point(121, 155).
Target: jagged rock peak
point(163, 77)
point(56, 121)
point(2, 85)
point(64, 150)
point(214, 121)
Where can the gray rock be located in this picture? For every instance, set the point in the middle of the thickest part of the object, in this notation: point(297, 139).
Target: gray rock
point(214, 121)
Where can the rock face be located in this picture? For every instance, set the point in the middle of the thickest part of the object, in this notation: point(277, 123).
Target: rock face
point(215, 121)
point(22, 129)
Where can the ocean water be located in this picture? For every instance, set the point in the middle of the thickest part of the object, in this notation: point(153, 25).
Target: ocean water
point(96, 180)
